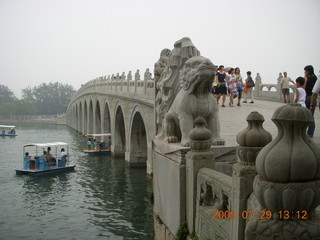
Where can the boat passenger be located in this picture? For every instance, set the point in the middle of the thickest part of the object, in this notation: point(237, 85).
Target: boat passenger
point(3, 131)
point(95, 144)
point(62, 153)
point(52, 160)
point(89, 143)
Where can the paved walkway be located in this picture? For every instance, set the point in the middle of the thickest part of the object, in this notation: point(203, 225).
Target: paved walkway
point(233, 119)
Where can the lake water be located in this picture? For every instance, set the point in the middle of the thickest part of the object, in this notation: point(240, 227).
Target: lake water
point(102, 199)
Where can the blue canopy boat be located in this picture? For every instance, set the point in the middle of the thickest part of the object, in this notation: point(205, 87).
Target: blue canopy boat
point(42, 162)
point(6, 130)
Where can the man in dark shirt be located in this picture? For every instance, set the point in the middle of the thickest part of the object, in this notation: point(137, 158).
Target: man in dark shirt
point(310, 80)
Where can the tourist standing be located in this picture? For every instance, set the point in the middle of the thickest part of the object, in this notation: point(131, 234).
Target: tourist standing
point(300, 92)
point(250, 84)
point(239, 85)
point(232, 85)
point(315, 93)
point(310, 80)
point(285, 87)
point(221, 85)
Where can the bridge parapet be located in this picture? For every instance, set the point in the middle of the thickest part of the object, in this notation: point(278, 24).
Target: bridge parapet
point(120, 84)
point(270, 92)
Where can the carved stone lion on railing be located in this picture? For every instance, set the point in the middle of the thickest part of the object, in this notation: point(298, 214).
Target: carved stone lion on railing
point(193, 100)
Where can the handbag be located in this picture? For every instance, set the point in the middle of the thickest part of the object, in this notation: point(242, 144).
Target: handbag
point(250, 84)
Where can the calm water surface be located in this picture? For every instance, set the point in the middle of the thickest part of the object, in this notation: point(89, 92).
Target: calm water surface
point(102, 199)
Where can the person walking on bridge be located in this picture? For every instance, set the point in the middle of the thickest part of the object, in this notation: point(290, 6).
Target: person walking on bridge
point(285, 87)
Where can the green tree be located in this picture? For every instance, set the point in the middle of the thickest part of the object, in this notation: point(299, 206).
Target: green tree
point(49, 98)
point(6, 95)
point(17, 107)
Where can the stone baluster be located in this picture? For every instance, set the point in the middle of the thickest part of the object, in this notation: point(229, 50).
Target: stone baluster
point(257, 83)
point(200, 156)
point(147, 77)
point(117, 81)
point(279, 85)
point(123, 79)
point(288, 182)
point(112, 81)
point(136, 79)
point(251, 140)
point(129, 78)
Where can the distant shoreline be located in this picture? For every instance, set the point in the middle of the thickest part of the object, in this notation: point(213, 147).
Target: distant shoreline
point(37, 121)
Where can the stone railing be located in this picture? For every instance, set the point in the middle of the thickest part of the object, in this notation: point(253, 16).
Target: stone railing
point(214, 196)
point(120, 84)
point(258, 196)
point(270, 92)
point(221, 200)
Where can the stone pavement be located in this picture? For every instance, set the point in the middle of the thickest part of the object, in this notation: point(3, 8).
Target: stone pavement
point(233, 119)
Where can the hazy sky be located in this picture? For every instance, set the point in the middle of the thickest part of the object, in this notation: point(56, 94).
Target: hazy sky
point(74, 41)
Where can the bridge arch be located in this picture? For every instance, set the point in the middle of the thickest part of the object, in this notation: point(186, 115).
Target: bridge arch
point(106, 118)
point(119, 134)
point(90, 117)
point(138, 139)
point(97, 114)
point(77, 118)
point(80, 118)
point(85, 118)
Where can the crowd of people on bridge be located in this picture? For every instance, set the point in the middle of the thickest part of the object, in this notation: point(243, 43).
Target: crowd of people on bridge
point(229, 81)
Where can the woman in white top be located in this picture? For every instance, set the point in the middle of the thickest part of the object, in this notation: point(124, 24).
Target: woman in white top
point(300, 92)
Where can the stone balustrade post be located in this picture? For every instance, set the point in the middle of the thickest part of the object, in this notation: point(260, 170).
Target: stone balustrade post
point(288, 182)
point(257, 85)
point(123, 79)
point(112, 81)
point(251, 140)
point(136, 79)
point(129, 77)
point(200, 156)
point(279, 85)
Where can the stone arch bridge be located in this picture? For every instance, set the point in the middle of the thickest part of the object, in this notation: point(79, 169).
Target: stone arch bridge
point(121, 106)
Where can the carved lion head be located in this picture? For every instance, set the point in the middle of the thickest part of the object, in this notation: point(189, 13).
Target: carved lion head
point(197, 75)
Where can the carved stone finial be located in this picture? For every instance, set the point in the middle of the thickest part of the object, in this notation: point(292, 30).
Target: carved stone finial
point(147, 75)
point(252, 139)
point(288, 180)
point(200, 136)
point(129, 77)
point(258, 79)
point(123, 76)
point(296, 158)
point(137, 75)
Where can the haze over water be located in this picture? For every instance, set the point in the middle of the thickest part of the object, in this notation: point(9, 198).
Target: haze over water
point(102, 199)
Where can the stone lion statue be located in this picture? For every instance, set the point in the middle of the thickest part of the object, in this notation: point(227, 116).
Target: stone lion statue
point(194, 99)
point(167, 70)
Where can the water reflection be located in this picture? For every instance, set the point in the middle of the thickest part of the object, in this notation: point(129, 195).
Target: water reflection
point(117, 196)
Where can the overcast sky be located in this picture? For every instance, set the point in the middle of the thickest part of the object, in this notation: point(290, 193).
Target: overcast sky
point(74, 41)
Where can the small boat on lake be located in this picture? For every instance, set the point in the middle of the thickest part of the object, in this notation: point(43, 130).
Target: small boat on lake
point(98, 144)
point(7, 130)
point(39, 160)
